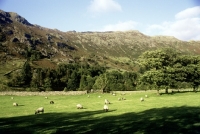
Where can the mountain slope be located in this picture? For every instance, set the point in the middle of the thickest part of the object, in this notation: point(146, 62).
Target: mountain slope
point(116, 50)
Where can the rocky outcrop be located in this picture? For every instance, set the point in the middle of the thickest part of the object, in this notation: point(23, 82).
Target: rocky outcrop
point(9, 17)
point(4, 17)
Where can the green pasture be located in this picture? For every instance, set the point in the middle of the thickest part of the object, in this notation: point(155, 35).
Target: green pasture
point(167, 113)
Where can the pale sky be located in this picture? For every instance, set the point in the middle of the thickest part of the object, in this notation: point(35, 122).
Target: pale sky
point(178, 18)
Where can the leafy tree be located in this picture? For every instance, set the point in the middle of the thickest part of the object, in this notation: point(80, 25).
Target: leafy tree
point(101, 82)
point(26, 74)
point(159, 68)
point(83, 82)
point(115, 81)
point(130, 79)
point(190, 66)
point(48, 84)
point(73, 82)
point(37, 78)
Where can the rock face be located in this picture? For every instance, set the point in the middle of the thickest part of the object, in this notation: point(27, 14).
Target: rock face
point(9, 17)
point(5, 17)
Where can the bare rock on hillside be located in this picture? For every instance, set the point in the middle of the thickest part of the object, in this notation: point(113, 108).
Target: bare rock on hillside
point(18, 18)
point(9, 17)
point(5, 17)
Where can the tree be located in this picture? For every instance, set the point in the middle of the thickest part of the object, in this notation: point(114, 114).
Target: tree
point(37, 78)
point(101, 82)
point(158, 66)
point(26, 74)
point(74, 81)
point(130, 79)
point(191, 70)
point(48, 84)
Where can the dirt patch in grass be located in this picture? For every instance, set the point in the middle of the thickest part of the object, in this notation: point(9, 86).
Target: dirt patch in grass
point(45, 63)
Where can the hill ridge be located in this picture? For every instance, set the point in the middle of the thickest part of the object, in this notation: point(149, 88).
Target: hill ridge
point(111, 48)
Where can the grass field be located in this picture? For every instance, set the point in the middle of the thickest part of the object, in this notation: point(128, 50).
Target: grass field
point(173, 113)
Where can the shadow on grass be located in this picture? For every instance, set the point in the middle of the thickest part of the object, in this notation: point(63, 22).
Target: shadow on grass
point(179, 92)
point(160, 121)
point(20, 105)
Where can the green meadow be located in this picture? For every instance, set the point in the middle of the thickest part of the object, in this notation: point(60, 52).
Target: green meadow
point(167, 113)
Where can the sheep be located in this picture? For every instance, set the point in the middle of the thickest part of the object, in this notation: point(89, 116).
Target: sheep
point(99, 96)
point(105, 108)
point(119, 99)
point(123, 93)
point(46, 97)
point(41, 109)
point(141, 99)
point(79, 106)
point(88, 96)
point(106, 101)
point(51, 102)
point(123, 98)
point(114, 94)
point(146, 96)
point(15, 104)
point(12, 98)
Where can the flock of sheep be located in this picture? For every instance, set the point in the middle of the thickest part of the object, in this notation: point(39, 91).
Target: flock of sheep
point(38, 110)
point(105, 107)
point(79, 106)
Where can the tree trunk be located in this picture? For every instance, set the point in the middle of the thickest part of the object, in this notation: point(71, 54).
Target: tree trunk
point(166, 90)
point(195, 88)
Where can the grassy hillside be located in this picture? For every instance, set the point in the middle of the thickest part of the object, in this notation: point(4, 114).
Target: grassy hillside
point(115, 50)
point(177, 113)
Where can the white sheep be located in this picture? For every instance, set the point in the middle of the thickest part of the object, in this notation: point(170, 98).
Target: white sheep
point(12, 98)
point(141, 99)
point(114, 94)
point(46, 97)
point(106, 101)
point(79, 106)
point(99, 96)
point(15, 104)
point(119, 99)
point(146, 96)
point(41, 109)
point(105, 108)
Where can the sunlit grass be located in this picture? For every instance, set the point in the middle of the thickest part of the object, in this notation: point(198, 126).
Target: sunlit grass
point(180, 109)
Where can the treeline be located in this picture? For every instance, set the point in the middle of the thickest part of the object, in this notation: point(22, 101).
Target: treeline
point(72, 77)
point(159, 69)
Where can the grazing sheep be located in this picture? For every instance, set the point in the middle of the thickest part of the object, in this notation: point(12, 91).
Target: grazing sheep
point(15, 104)
point(79, 106)
point(106, 101)
point(119, 99)
point(123, 98)
point(46, 97)
point(99, 96)
point(105, 108)
point(146, 96)
point(141, 99)
point(12, 98)
point(114, 94)
point(51, 102)
point(88, 96)
point(41, 109)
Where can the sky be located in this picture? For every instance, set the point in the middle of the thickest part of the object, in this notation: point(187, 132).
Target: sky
point(178, 18)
